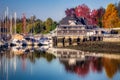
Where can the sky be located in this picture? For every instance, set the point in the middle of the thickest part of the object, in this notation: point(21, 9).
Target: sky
point(43, 9)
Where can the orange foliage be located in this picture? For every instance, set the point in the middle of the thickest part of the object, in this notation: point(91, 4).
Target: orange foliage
point(111, 18)
point(110, 66)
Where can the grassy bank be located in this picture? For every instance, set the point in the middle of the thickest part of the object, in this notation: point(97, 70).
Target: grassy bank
point(101, 47)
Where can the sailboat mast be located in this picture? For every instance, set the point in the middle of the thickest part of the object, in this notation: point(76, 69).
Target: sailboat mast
point(0, 26)
point(7, 20)
point(15, 15)
point(11, 25)
point(5, 24)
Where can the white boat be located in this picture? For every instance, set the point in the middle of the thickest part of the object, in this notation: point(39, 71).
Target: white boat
point(31, 41)
point(18, 40)
point(44, 41)
point(44, 48)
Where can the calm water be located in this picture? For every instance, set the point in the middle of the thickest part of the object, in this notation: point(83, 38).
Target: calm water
point(30, 64)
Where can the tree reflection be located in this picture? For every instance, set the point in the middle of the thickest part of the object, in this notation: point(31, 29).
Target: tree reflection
point(37, 55)
point(82, 68)
point(111, 66)
point(96, 64)
point(31, 56)
point(9, 60)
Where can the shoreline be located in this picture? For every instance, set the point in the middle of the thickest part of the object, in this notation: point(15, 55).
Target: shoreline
point(97, 47)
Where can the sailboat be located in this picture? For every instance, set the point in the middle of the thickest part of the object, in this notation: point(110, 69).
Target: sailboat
point(17, 39)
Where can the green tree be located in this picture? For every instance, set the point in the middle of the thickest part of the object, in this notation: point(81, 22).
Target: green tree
point(53, 25)
point(32, 22)
point(19, 28)
point(38, 26)
point(48, 24)
point(118, 8)
point(34, 25)
point(101, 12)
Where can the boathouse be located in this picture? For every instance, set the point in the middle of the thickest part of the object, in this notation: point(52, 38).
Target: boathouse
point(76, 29)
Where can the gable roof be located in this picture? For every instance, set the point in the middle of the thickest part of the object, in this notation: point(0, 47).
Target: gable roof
point(78, 21)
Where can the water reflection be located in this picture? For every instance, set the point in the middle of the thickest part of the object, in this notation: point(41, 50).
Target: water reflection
point(19, 60)
point(111, 66)
point(96, 65)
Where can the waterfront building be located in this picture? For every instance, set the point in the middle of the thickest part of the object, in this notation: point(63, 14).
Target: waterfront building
point(73, 29)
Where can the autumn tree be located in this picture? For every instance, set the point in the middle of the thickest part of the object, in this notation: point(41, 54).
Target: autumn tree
point(83, 11)
point(70, 12)
point(94, 17)
point(111, 19)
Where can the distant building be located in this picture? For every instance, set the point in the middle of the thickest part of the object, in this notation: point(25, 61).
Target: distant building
point(72, 29)
point(71, 25)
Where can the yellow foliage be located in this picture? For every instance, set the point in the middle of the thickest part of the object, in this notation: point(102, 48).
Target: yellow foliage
point(111, 18)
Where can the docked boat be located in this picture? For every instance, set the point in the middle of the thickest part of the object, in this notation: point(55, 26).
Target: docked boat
point(31, 41)
point(18, 40)
point(44, 48)
point(44, 41)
